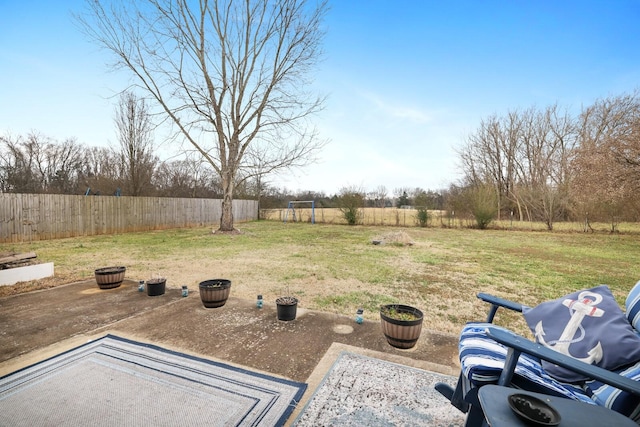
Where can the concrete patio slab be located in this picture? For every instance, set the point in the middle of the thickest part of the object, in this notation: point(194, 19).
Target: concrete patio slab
point(41, 324)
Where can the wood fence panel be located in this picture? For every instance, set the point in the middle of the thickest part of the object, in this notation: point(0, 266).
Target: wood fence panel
point(29, 217)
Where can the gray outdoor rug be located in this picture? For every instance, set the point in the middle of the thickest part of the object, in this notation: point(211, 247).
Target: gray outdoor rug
point(364, 391)
point(114, 381)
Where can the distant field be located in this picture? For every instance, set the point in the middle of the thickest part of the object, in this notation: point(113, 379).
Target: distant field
point(336, 268)
point(370, 216)
point(407, 218)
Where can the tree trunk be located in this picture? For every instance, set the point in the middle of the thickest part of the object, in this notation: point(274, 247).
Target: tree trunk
point(226, 220)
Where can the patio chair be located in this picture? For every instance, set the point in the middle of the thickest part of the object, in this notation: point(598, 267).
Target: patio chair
point(491, 354)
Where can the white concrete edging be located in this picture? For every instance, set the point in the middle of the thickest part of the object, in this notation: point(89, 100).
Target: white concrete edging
point(11, 276)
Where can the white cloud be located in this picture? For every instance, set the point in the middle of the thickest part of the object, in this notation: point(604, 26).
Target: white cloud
point(398, 110)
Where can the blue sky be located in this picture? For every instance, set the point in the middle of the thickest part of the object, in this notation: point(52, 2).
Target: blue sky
point(407, 81)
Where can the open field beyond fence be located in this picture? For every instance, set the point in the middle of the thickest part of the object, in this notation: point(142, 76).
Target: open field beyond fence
point(369, 216)
point(401, 217)
point(336, 268)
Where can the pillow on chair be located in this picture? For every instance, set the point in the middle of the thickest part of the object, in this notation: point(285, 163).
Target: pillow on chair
point(587, 325)
point(633, 307)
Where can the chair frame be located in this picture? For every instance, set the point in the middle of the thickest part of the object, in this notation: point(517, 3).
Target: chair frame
point(465, 395)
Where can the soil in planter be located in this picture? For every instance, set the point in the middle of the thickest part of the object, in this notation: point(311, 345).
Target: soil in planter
point(396, 314)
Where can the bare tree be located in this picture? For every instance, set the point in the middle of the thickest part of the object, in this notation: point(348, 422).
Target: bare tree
point(606, 166)
point(38, 164)
point(491, 156)
point(101, 172)
point(253, 180)
point(627, 148)
point(134, 127)
point(524, 156)
point(401, 194)
point(63, 162)
point(190, 177)
point(19, 170)
point(379, 196)
point(551, 140)
point(228, 74)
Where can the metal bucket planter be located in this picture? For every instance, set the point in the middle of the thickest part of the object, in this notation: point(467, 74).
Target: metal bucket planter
point(287, 308)
point(156, 287)
point(109, 277)
point(215, 292)
point(401, 325)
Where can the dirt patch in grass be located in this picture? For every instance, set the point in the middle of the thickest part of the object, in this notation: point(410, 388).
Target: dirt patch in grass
point(399, 238)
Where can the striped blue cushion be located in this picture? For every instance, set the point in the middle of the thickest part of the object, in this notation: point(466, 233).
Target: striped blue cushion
point(482, 361)
point(620, 401)
point(632, 305)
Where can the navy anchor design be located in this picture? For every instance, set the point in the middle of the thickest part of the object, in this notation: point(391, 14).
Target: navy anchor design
point(584, 306)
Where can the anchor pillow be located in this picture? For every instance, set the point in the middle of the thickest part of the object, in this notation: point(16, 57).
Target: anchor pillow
point(586, 325)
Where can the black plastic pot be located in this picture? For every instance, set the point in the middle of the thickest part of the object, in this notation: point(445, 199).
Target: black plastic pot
point(156, 287)
point(287, 308)
point(215, 292)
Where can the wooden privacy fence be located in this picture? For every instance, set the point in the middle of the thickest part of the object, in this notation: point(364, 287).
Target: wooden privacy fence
point(29, 217)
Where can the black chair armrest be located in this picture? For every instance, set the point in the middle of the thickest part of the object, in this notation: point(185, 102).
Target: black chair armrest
point(497, 302)
point(518, 344)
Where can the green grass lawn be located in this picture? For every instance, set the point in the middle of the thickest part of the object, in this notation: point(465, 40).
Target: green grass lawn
point(336, 268)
